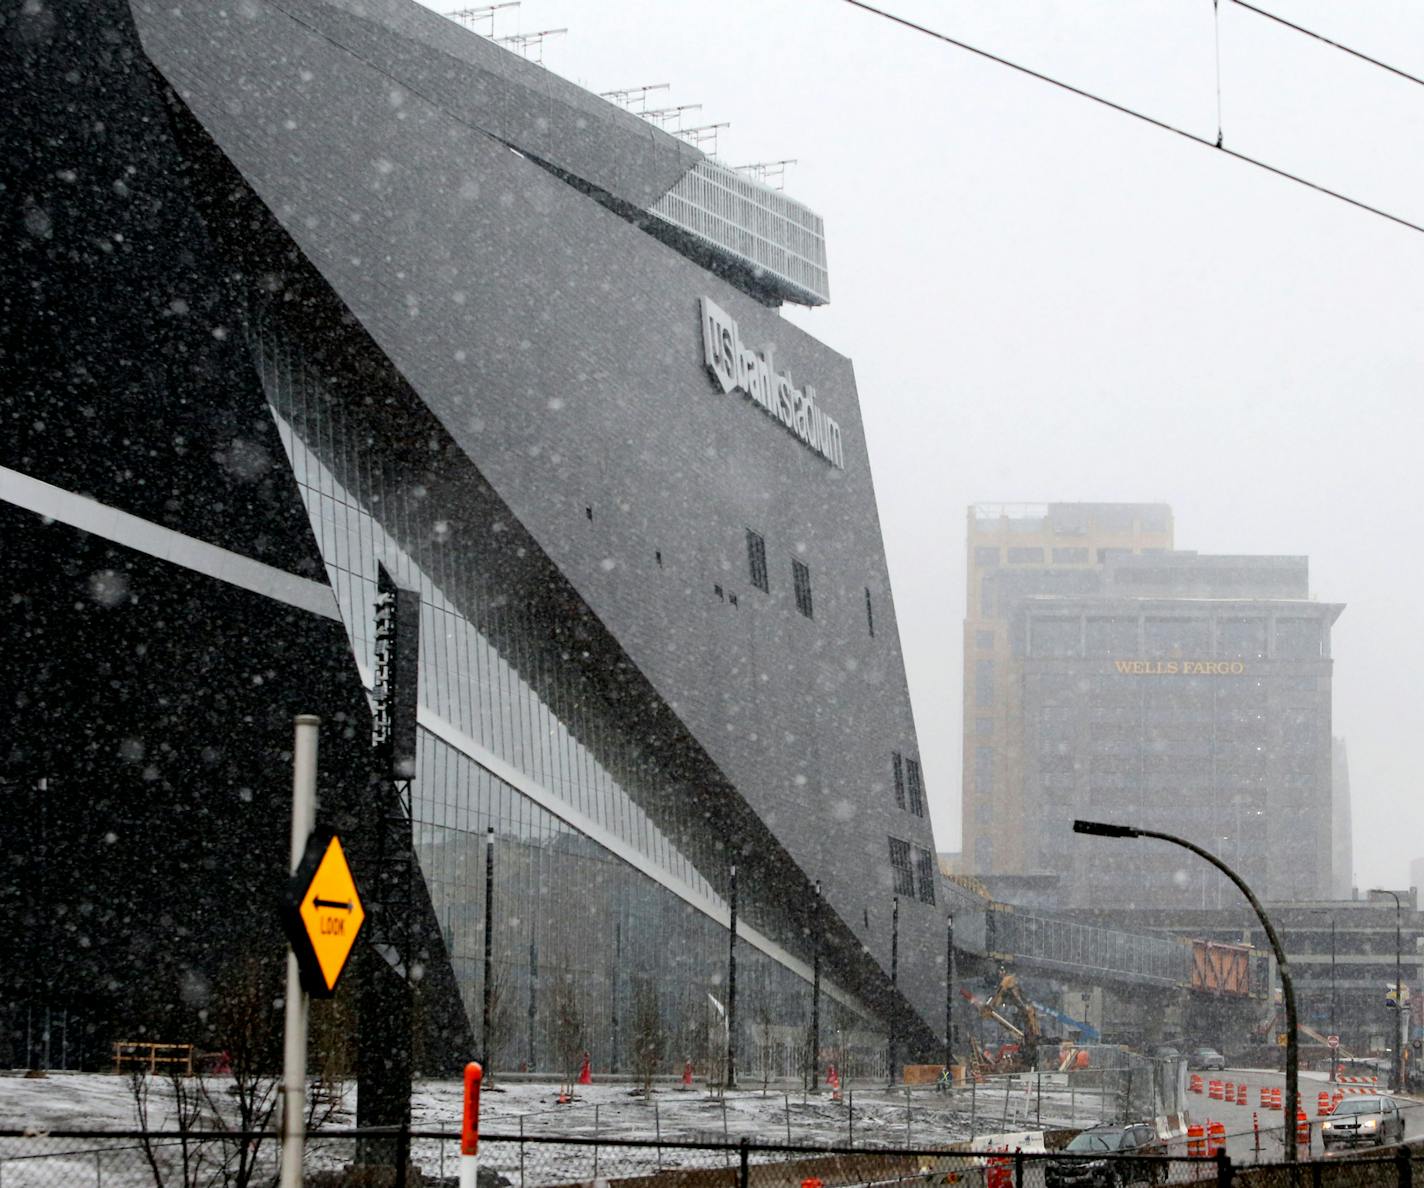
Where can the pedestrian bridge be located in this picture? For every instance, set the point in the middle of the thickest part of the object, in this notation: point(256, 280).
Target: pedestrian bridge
point(1041, 940)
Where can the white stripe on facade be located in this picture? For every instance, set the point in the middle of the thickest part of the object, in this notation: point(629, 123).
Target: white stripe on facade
point(154, 540)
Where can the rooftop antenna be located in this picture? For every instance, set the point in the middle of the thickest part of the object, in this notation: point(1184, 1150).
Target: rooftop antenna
point(664, 116)
point(635, 99)
point(702, 135)
point(529, 45)
point(483, 14)
point(769, 173)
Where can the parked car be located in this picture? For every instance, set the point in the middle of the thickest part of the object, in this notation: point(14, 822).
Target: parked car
point(1094, 1158)
point(1165, 1052)
point(1206, 1059)
point(1358, 1120)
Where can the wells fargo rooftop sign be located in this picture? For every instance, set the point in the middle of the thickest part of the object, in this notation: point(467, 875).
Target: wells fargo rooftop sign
point(1180, 667)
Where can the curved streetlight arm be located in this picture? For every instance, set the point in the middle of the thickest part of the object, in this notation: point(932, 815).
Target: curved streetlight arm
point(1292, 1102)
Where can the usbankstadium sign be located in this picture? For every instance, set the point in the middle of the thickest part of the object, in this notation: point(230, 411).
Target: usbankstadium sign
point(736, 367)
point(1180, 667)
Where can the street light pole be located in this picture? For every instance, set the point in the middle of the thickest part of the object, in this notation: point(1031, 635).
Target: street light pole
point(1335, 1051)
point(1292, 1102)
point(1398, 990)
point(949, 999)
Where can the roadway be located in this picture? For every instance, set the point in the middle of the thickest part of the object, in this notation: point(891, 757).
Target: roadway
point(1244, 1145)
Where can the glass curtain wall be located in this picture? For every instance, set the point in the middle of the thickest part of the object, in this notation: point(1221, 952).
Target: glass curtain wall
point(570, 915)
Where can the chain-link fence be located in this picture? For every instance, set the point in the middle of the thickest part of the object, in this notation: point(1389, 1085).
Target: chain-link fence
point(424, 1159)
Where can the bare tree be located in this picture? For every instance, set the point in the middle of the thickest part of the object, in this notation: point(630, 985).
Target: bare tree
point(649, 1035)
point(767, 1045)
point(567, 1020)
point(501, 1020)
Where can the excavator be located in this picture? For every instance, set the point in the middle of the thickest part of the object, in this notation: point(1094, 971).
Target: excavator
point(1021, 1056)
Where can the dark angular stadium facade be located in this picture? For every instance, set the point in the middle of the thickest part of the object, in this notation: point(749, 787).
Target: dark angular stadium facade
point(301, 287)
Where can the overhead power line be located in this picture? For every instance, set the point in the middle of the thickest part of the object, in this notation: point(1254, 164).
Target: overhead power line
point(1135, 114)
point(1344, 49)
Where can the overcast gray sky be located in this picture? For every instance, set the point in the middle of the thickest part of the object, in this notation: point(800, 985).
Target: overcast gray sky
point(1046, 300)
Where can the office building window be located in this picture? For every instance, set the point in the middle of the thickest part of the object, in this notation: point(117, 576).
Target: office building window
point(1074, 556)
point(1116, 638)
point(986, 596)
point(983, 726)
point(801, 580)
point(756, 560)
point(983, 770)
point(983, 855)
point(983, 683)
point(869, 614)
point(1023, 555)
point(914, 785)
point(984, 640)
point(1298, 639)
point(1243, 639)
point(897, 765)
point(904, 874)
point(1054, 636)
point(985, 556)
point(925, 868)
point(1190, 638)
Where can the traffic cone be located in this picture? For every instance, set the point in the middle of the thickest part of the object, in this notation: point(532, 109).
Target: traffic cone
point(1302, 1127)
point(1322, 1104)
point(585, 1076)
point(832, 1079)
point(687, 1075)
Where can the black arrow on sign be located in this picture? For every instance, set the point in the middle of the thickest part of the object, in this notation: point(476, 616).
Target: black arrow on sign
point(343, 904)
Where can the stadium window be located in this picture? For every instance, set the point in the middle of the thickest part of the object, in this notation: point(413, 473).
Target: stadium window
point(925, 863)
point(756, 561)
point(801, 580)
point(897, 766)
point(915, 786)
point(900, 868)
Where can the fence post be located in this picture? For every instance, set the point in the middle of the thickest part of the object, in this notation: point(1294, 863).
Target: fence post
point(1223, 1168)
point(1404, 1166)
point(786, 1099)
point(745, 1145)
point(850, 1115)
point(402, 1153)
point(1018, 1167)
point(595, 1142)
point(521, 1151)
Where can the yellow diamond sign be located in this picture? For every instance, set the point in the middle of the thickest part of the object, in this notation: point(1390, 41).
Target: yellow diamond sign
point(322, 914)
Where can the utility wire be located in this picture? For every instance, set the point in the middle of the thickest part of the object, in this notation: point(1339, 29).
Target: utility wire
point(1344, 49)
point(1137, 115)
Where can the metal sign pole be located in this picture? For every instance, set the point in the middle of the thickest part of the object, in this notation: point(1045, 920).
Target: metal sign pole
point(294, 1064)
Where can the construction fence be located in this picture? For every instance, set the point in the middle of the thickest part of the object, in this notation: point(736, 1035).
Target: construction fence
point(377, 1159)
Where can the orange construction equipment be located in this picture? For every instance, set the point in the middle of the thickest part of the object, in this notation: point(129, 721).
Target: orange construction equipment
point(1215, 1138)
point(1213, 1090)
point(687, 1074)
point(1230, 1091)
point(1302, 1127)
point(1196, 1140)
point(1196, 1085)
point(1242, 1096)
point(1256, 1129)
point(1265, 1098)
point(1336, 1100)
point(1276, 1099)
point(1323, 1104)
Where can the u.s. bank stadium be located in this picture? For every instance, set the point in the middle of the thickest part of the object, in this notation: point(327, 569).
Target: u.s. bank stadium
point(302, 288)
